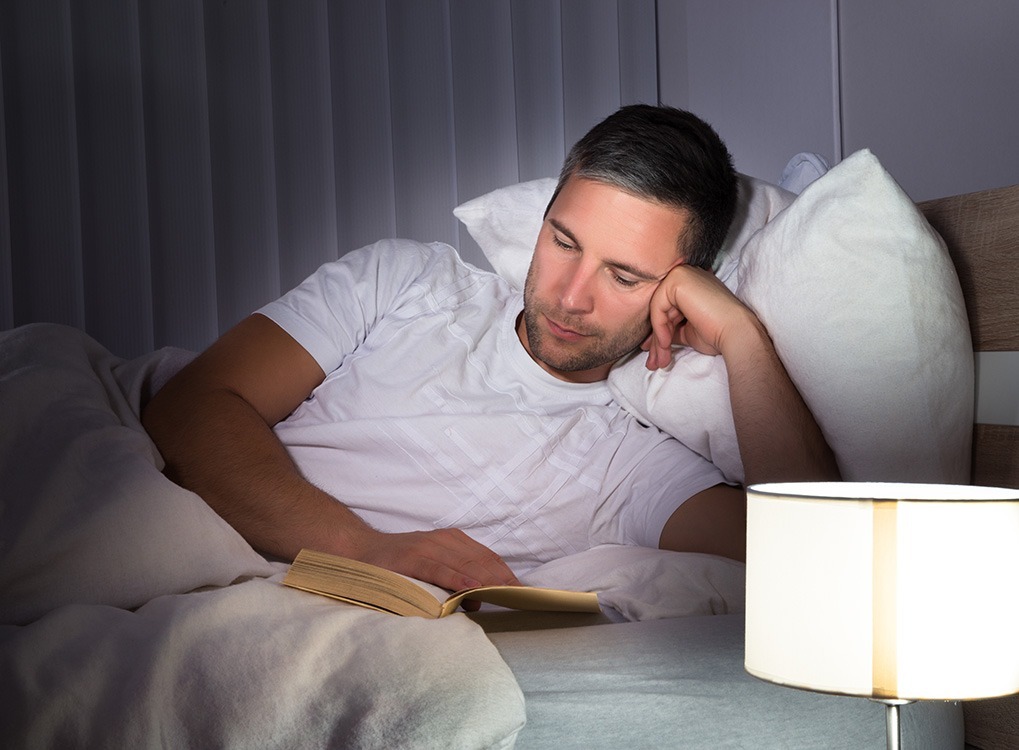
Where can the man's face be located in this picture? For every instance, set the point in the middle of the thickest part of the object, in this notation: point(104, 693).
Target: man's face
point(599, 257)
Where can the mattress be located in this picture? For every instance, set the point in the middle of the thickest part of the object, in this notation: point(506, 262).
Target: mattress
point(680, 682)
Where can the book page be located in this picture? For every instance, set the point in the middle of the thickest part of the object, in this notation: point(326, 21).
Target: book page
point(527, 598)
point(362, 583)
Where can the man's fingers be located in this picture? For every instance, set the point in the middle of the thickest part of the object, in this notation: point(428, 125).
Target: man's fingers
point(445, 557)
point(479, 565)
point(663, 327)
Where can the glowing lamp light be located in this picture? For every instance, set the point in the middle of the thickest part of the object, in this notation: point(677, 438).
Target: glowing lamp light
point(895, 592)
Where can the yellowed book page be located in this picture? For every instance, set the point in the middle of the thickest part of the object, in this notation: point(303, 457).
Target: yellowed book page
point(360, 583)
point(346, 599)
point(526, 598)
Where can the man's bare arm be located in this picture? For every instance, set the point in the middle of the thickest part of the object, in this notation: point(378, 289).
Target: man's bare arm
point(213, 424)
point(778, 437)
point(713, 521)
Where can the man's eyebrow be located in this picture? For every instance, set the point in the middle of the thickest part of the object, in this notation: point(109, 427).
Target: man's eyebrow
point(618, 265)
point(633, 271)
point(563, 230)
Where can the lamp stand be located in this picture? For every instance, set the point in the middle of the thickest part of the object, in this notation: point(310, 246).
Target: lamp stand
point(892, 731)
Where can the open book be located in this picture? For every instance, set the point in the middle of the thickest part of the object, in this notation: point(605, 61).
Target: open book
point(377, 588)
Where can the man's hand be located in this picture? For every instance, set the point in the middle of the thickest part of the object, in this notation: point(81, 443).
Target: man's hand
point(693, 308)
point(445, 557)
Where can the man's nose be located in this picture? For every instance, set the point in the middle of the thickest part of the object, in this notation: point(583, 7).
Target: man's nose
point(577, 294)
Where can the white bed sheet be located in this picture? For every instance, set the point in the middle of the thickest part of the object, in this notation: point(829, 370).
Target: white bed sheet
point(680, 683)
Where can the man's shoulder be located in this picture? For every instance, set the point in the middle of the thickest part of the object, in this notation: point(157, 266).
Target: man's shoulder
point(427, 258)
point(412, 251)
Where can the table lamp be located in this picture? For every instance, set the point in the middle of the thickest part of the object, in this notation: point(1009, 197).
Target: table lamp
point(894, 592)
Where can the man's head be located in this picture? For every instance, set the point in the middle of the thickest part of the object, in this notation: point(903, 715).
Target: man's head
point(645, 190)
point(665, 155)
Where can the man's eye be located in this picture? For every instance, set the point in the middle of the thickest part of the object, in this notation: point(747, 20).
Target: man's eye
point(625, 282)
point(559, 243)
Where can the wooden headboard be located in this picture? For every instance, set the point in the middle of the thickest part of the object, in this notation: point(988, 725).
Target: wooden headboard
point(982, 233)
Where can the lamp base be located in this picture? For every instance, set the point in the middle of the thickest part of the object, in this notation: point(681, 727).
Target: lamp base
point(892, 731)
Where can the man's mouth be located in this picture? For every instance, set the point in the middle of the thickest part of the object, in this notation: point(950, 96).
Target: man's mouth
point(568, 334)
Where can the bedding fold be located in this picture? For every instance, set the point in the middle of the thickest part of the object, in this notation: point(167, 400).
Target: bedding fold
point(86, 515)
point(253, 665)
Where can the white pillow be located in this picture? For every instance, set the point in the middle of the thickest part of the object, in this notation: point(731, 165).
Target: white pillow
point(865, 309)
point(505, 224)
point(860, 297)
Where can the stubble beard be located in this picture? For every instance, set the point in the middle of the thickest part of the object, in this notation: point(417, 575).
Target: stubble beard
point(598, 349)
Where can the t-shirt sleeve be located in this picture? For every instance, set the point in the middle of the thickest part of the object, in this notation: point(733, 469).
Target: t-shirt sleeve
point(332, 311)
point(665, 478)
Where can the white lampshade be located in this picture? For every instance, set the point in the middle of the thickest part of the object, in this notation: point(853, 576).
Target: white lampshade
point(889, 591)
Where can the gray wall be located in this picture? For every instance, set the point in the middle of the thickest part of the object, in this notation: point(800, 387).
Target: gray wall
point(931, 86)
point(933, 89)
point(763, 73)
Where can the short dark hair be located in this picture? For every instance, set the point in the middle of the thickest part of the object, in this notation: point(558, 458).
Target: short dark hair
point(667, 155)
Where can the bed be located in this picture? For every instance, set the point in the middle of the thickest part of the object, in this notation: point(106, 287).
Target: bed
point(134, 617)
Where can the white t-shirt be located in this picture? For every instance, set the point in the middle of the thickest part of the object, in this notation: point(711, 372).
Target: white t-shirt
point(432, 415)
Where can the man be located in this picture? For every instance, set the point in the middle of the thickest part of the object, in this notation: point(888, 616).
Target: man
point(402, 408)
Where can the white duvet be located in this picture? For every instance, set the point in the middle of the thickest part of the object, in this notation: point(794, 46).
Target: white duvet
point(131, 615)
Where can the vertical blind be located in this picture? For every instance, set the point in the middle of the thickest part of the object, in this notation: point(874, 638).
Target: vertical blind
point(167, 166)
